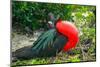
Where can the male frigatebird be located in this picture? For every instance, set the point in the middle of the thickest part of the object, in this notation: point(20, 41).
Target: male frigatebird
point(62, 37)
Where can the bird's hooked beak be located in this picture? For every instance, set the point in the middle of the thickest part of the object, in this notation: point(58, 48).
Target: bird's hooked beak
point(53, 24)
point(49, 22)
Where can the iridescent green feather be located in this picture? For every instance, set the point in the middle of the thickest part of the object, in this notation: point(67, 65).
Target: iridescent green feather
point(45, 40)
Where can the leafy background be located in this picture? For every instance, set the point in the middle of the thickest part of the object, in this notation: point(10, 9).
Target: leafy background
point(34, 15)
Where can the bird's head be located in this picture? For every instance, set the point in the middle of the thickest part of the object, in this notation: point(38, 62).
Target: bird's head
point(52, 19)
point(70, 31)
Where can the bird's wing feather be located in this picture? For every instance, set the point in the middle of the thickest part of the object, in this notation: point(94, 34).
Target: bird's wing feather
point(45, 40)
point(49, 43)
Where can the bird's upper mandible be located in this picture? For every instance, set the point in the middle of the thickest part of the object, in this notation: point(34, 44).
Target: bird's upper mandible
point(70, 31)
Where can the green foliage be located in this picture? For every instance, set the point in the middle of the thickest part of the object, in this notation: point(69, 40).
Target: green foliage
point(85, 20)
point(31, 61)
point(74, 59)
point(38, 61)
point(35, 15)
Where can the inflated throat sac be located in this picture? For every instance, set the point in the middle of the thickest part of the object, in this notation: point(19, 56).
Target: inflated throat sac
point(70, 31)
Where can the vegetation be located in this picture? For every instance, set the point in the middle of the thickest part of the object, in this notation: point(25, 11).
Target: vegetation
point(35, 16)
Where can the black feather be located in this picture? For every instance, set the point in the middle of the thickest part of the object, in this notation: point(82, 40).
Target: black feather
point(48, 44)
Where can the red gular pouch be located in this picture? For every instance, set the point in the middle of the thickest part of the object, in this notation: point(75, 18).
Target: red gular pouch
point(69, 30)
